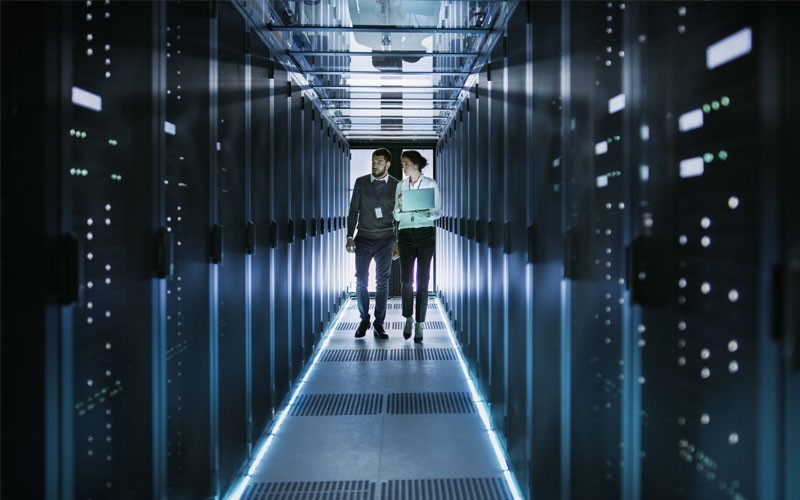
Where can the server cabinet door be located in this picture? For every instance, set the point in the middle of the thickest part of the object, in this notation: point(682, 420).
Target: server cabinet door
point(310, 186)
point(546, 250)
point(707, 363)
point(281, 187)
point(473, 266)
point(484, 174)
point(595, 258)
point(296, 277)
point(261, 194)
point(110, 378)
point(230, 190)
point(519, 292)
point(186, 217)
point(497, 274)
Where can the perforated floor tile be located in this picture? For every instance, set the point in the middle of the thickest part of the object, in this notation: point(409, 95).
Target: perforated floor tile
point(388, 419)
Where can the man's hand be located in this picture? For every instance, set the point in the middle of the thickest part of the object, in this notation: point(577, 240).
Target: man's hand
point(395, 252)
point(351, 246)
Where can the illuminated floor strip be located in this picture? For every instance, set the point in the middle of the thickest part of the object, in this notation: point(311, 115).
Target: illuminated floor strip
point(236, 492)
point(483, 411)
point(479, 402)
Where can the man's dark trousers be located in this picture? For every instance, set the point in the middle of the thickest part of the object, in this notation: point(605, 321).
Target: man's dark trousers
point(366, 250)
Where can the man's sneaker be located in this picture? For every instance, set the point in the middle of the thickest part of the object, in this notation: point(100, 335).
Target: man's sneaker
point(380, 333)
point(362, 329)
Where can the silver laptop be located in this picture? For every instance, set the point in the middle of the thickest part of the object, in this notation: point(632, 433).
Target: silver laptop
point(418, 199)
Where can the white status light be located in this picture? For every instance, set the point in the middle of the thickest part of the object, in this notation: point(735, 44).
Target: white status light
point(691, 120)
point(692, 167)
point(729, 48)
point(86, 99)
point(616, 103)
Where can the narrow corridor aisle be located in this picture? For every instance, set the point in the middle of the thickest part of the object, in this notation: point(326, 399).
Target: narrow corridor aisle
point(382, 419)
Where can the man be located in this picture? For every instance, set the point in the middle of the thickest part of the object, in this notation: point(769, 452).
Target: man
point(371, 211)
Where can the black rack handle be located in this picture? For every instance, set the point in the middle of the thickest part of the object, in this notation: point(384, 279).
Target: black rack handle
point(216, 244)
point(163, 262)
point(273, 233)
point(250, 238)
point(68, 269)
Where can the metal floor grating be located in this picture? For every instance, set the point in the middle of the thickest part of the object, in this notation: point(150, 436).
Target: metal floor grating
point(398, 325)
point(328, 405)
point(396, 306)
point(349, 325)
point(413, 403)
point(425, 354)
point(322, 490)
point(479, 488)
point(353, 355)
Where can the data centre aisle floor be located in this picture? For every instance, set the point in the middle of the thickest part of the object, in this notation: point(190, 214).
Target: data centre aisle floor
point(382, 419)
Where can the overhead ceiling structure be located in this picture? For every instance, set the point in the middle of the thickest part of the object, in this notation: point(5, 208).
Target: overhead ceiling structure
point(383, 69)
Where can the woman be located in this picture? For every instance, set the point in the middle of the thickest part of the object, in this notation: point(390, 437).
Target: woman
point(416, 240)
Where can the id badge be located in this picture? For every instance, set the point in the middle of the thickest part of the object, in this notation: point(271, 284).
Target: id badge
point(378, 213)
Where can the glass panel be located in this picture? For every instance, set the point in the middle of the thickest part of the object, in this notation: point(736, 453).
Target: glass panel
point(360, 55)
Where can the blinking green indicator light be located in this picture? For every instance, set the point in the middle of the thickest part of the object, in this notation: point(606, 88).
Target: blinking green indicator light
point(72, 132)
point(725, 100)
point(723, 155)
point(616, 137)
point(706, 108)
point(708, 157)
point(715, 105)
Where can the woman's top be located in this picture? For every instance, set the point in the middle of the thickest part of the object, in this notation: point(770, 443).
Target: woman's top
point(418, 218)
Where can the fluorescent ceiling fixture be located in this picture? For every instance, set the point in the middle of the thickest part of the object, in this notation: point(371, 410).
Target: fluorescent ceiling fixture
point(644, 132)
point(362, 131)
point(602, 181)
point(692, 167)
point(644, 172)
point(366, 81)
point(601, 148)
point(729, 48)
point(410, 113)
point(428, 89)
point(86, 99)
point(616, 103)
point(691, 120)
point(169, 128)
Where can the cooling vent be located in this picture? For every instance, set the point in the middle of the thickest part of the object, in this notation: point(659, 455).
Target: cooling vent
point(425, 354)
point(353, 355)
point(410, 403)
point(482, 488)
point(328, 405)
point(322, 490)
point(350, 325)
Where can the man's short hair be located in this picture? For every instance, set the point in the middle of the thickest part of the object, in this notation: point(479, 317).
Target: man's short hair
point(383, 152)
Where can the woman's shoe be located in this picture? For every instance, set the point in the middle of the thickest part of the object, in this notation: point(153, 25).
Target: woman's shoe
point(407, 329)
point(418, 334)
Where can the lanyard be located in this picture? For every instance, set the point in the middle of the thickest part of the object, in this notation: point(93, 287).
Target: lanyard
point(419, 183)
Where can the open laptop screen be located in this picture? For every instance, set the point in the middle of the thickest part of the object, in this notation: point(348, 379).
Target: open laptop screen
point(418, 199)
